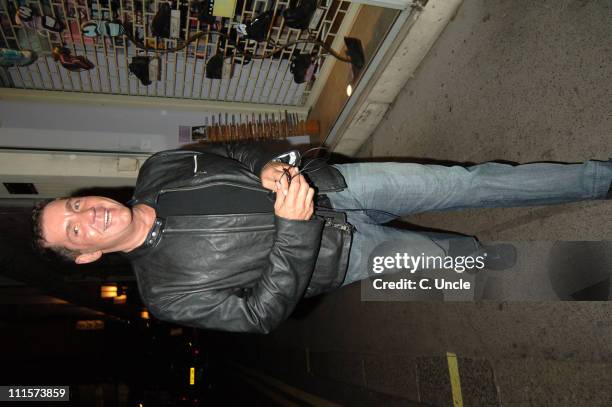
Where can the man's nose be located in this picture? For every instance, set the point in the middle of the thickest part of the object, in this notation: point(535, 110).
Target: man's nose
point(88, 217)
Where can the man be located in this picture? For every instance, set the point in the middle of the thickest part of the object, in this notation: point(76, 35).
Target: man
point(212, 248)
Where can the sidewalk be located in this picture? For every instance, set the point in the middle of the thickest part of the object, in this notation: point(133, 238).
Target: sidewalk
point(519, 81)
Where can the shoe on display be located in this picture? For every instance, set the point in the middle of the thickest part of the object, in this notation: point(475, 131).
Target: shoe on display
point(214, 67)
point(73, 63)
point(102, 28)
point(242, 29)
point(146, 68)
point(27, 18)
point(51, 24)
point(15, 57)
point(24, 15)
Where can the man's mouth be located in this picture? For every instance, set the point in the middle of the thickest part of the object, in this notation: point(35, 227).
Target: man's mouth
point(107, 219)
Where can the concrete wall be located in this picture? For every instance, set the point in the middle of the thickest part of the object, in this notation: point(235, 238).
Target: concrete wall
point(61, 174)
point(107, 128)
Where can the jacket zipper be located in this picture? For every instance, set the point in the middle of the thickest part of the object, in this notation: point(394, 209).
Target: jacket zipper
point(347, 227)
point(163, 191)
point(222, 230)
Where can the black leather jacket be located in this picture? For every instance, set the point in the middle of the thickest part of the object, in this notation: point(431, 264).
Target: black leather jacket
point(242, 272)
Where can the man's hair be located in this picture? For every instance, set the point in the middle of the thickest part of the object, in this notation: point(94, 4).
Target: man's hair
point(39, 241)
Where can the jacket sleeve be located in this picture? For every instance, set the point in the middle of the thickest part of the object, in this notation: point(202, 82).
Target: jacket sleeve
point(270, 301)
point(252, 154)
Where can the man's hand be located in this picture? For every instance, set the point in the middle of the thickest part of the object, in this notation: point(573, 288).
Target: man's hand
point(272, 173)
point(296, 202)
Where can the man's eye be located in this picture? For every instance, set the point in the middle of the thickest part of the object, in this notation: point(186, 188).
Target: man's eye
point(77, 205)
point(75, 230)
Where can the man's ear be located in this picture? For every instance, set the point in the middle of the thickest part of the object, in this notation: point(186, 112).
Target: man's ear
point(88, 257)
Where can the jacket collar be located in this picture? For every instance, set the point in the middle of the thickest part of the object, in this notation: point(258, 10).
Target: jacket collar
point(153, 238)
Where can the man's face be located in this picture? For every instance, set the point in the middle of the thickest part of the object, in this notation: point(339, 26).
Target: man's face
point(86, 224)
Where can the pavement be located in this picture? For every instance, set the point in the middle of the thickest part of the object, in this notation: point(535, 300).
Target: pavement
point(520, 81)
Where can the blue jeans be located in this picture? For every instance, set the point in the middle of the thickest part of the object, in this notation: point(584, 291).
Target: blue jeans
point(380, 192)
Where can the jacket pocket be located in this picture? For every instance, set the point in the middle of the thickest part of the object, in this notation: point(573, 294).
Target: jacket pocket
point(327, 179)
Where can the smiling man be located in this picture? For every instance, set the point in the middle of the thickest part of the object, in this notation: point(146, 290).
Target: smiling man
point(210, 245)
point(87, 227)
point(227, 237)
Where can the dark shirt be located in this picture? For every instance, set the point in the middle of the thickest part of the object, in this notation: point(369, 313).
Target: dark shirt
point(214, 200)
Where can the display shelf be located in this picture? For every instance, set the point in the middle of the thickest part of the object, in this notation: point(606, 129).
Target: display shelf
point(266, 81)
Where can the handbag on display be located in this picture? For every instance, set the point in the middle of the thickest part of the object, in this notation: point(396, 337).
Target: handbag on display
point(160, 26)
point(257, 29)
point(299, 17)
point(302, 67)
point(17, 57)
